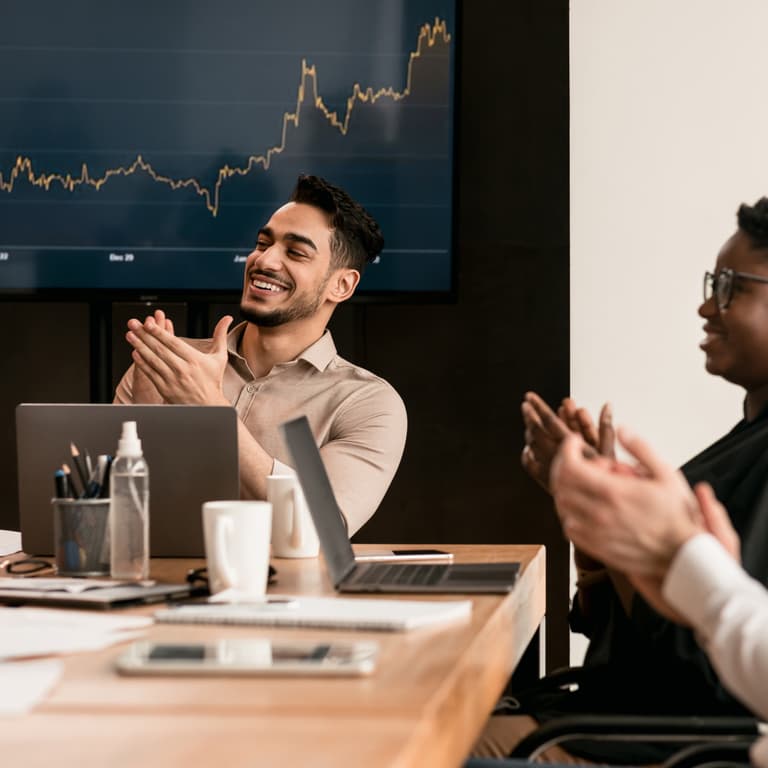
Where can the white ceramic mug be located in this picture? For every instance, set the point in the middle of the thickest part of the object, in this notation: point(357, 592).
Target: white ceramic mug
point(293, 532)
point(237, 535)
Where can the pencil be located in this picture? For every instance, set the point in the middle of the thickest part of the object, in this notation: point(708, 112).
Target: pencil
point(73, 492)
point(79, 465)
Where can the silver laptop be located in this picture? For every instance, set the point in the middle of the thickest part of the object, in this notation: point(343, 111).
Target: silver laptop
point(191, 452)
point(51, 591)
point(349, 576)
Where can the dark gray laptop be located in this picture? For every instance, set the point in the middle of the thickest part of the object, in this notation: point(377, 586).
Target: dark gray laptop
point(349, 576)
point(191, 451)
point(87, 594)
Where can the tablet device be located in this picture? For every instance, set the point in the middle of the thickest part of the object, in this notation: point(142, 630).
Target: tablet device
point(248, 656)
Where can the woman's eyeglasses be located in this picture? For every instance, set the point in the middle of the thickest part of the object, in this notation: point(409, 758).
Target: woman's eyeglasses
point(720, 285)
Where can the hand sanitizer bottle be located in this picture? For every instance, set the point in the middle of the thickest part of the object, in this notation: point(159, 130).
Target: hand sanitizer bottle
point(129, 509)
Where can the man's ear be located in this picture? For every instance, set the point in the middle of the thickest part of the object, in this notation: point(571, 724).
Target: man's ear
point(342, 284)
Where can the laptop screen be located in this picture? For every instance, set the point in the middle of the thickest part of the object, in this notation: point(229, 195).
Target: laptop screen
point(191, 452)
point(328, 519)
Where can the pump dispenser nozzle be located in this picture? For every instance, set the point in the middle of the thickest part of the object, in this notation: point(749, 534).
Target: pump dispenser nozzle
point(129, 443)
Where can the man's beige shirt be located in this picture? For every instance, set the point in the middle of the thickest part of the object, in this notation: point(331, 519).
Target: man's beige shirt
point(358, 419)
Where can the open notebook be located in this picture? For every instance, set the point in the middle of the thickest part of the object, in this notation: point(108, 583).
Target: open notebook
point(330, 612)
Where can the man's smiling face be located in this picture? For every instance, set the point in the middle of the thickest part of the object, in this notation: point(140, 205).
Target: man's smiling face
point(287, 273)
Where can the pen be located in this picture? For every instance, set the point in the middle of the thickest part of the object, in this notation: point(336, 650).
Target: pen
point(97, 478)
point(266, 603)
point(105, 479)
point(60, 482)
point(92, 487)
point(79, 465)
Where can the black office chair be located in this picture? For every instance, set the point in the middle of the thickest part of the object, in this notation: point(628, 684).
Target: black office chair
point(731, 754)
point(711, 755)
point(696, 740)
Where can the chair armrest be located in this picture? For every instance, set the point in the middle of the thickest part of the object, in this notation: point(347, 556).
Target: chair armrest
point(628, 728)
point(723, 754)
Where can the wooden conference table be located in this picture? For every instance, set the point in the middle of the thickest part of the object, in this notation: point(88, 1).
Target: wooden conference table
point(423, 706)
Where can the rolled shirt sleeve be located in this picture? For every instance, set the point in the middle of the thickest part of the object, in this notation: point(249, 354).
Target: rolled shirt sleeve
point(357, 418)
point(728, 610)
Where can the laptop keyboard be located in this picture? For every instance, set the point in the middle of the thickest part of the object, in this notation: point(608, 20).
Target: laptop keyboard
point(386, 573)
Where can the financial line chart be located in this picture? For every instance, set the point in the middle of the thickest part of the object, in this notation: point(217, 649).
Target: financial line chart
point(428, 37)
point(164, 144)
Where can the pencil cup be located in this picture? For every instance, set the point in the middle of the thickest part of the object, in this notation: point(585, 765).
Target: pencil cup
point(81, 536)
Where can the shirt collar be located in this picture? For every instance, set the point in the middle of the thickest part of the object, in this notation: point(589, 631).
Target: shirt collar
point(319, 354)
point(233, 339)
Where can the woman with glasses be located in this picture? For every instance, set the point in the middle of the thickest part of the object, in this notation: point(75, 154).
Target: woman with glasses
point(637, 661)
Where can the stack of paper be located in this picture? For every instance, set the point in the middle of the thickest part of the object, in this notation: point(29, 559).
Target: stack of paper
point(31, 632)
point(26, 632)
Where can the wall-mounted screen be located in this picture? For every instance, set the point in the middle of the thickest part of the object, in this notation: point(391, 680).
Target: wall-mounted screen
point(142, 144)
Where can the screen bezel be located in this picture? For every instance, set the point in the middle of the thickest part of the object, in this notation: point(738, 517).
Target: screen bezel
point(448, 295)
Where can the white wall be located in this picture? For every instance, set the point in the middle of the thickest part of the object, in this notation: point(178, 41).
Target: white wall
point(669, 133)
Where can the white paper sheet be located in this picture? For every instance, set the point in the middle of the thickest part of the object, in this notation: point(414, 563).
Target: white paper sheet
point(28, 632)
point(10, 542)
point(25, 683)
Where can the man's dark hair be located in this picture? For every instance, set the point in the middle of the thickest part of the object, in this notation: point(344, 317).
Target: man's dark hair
point(356, 239)
point(753, 221)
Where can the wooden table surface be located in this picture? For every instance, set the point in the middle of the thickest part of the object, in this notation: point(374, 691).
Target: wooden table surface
point(423, 706)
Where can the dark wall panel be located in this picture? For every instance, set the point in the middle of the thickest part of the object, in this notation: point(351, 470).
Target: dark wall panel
point(45, 360)
point(463, 368)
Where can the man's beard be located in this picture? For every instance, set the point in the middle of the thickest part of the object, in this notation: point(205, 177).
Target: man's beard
point(300, 310)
